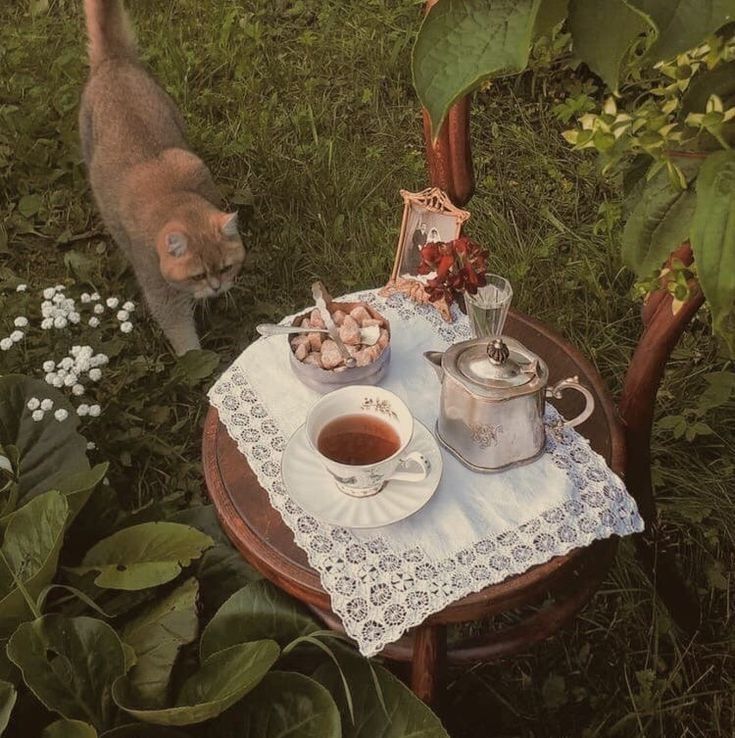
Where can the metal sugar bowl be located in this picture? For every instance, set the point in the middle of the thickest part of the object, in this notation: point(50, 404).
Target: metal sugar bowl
point(493, 393)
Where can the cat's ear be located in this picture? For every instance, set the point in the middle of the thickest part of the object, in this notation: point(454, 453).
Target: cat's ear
point(228, 225)
point(176, 243)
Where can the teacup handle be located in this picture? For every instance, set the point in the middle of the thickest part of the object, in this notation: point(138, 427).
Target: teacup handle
point(573, 383)
point(407, 476)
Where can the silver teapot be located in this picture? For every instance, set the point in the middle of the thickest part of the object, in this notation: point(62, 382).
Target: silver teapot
point(491, 414)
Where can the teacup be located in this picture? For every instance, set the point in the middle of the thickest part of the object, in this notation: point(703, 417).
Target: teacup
point(371, 403)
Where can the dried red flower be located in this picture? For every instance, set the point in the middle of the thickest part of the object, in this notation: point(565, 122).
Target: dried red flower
point(459, 266)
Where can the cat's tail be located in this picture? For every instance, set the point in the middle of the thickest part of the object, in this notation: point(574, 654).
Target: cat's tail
point(109, 31)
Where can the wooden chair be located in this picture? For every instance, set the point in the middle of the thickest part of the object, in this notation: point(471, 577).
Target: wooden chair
point(449, 163)
point(621, 433)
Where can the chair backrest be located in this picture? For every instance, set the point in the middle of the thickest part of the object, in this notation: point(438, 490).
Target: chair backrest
point(449, 161)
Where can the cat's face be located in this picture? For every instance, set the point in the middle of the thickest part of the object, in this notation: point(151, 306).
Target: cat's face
point(201, 255)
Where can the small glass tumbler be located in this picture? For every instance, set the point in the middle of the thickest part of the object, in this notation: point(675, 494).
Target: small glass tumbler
point(488, 309)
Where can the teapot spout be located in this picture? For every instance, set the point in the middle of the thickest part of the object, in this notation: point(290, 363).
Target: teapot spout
point(435, 359)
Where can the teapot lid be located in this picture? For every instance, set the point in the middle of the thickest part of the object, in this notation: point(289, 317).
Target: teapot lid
point(500, 368)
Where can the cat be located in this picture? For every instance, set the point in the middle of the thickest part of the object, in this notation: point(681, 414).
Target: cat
point(155, 196)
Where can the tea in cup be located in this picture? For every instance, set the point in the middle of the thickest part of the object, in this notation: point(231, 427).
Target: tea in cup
point(361, 434)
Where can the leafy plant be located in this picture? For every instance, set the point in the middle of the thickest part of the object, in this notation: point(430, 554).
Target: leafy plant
point(103, 645)
point(668, 65)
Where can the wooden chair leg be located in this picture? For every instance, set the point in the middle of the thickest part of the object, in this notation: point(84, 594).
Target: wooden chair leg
point(429, 662)
point(662, 331)
point(449, 159)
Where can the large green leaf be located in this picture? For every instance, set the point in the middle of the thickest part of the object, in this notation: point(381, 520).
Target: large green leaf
point(719, 81)
point(602, 33)
point(195, 365)
point(8, 696)
point(283, 705)
point(461, 43)
point(144, 555)
point(550, 14)
point(49, 450)
point(222, 680)
point(156, 636)
point(406, 714)
point(30, 554)
point(222, 570)
point(713, 240)
point(682, 24)
point(79, 486)
point(69, 729)
point(70, 665)
point(255, 612)
point(143, 730)
point(659, 223)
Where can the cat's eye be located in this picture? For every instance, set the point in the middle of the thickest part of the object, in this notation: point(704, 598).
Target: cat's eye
point(225, 269)
point(199, 277)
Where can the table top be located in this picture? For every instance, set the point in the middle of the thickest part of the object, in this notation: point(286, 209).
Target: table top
point(259, 533)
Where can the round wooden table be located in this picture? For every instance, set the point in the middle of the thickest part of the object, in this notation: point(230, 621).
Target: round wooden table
point(259, 533)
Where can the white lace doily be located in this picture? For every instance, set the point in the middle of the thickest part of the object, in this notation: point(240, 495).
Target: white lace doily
point(477, 530)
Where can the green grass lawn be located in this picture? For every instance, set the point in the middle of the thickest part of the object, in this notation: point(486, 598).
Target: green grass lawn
point(305, 112)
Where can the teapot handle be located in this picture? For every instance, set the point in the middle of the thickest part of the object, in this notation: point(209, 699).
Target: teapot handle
point(573, 383)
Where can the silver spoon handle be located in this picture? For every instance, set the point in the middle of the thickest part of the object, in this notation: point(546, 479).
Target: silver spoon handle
point(271, 329)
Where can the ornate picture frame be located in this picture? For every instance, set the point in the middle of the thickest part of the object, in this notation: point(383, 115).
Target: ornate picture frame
point(427, 215)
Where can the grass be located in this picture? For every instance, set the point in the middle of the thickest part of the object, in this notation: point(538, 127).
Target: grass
point(305, 112)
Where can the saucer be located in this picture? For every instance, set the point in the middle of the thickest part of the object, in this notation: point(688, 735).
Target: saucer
point(312, 486)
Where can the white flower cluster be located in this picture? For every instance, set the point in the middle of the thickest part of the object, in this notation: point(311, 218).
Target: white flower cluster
point(68, 372)
point(82, 365)
point(123, 315)
point(112, 303)
point(57, 310)
point(39, 408)
point(15, 336)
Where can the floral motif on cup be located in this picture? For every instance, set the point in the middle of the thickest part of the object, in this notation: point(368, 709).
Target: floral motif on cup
point(379, 406)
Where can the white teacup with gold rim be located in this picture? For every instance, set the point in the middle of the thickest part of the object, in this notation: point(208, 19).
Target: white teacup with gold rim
point(362, 434)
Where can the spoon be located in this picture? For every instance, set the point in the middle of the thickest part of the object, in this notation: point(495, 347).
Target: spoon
point(368, 336)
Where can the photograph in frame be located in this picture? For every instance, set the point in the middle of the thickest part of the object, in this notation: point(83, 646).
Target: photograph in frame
point(428, 216)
